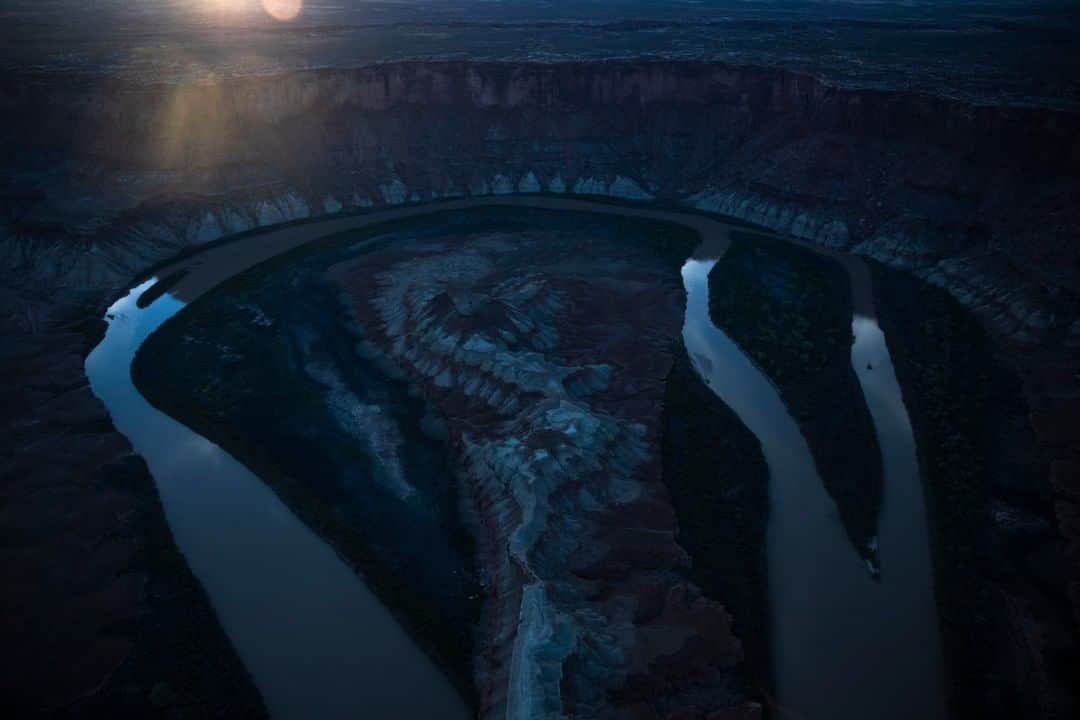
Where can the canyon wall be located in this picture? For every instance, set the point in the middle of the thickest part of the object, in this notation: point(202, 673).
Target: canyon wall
point(102, 180)
point(980, 200)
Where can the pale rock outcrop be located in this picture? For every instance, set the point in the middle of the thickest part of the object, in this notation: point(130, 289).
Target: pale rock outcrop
point(559, 465)
point(394, 192)
point(978, 200)
point(589, 186)
point(269, 213)
point(529, 183)
point(501, 185)
point(625, 188)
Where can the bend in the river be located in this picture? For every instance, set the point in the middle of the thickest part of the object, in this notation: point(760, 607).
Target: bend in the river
point(310, 632)
point(844, 643)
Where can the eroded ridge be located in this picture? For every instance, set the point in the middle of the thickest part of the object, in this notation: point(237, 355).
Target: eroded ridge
point(550, 373)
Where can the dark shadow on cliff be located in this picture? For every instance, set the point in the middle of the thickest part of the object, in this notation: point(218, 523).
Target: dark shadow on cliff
point(719, 485)
point(271, 367)
point(1009, 634)
point(102, 616)
point(790, 310)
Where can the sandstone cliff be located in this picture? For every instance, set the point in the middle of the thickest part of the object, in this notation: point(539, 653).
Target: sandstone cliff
point(982, 200)
point(102, 180)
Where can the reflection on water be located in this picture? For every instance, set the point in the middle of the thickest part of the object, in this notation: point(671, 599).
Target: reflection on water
point(315, 639)
point(843, 644)
point(320, 645)
point(333, 426)
point(903, 530)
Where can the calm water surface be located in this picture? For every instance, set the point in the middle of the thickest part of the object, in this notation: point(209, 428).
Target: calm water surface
point(319, 644)
point(844, 645)
point(315, 639)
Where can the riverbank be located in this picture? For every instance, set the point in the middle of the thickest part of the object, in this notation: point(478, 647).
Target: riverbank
point(246, 367)
point(997, 552)
point(719, 485)
point(545, 340)
point(101, 613)
point(300, 230)
point(208, 269)
point(790, 310)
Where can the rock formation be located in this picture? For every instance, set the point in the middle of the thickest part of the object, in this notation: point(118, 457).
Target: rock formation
point(103, 179)
point(979, 200)
point(547, 353)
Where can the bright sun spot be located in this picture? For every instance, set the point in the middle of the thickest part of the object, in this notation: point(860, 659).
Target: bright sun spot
point(227, 11)
point(283, 9)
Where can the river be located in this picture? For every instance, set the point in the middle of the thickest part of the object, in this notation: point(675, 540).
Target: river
point(846, 643)
point(319, 644)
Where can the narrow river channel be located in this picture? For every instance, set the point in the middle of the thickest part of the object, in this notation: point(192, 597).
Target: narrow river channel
point(845, 645)
point(319, 644)
point(315, 639)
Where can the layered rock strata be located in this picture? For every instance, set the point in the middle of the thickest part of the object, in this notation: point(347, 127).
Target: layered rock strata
point(547, 353)
point(102, 180)
point(978, 199)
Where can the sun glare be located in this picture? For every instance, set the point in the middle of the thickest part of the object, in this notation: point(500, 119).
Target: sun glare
point(283, 9)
